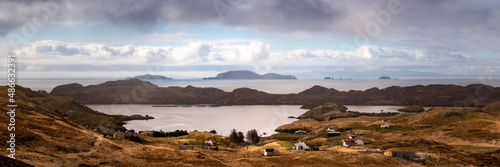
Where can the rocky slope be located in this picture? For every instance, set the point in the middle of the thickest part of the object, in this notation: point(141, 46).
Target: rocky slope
point(143, 92)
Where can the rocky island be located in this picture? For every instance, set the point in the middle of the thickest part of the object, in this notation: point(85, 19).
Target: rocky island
point(385, 77)
point(244, 74)
point(148, 77)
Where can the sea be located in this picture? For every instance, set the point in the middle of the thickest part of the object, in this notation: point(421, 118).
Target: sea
point(263, 118)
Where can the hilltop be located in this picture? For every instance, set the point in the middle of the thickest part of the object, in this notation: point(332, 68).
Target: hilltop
point(244, 74)
point(135, 91)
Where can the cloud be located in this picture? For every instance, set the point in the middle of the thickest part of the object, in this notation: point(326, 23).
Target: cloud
point(434, 25)
point(256, 55)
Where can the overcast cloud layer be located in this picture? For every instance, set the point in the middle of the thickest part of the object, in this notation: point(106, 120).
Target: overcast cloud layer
point(446, 36)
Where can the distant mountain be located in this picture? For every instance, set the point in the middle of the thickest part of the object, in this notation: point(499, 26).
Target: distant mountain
point(148, 77)
point(122, 92)
point(244, 74)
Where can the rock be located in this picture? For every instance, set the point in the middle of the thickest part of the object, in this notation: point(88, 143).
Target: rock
point(414, 108)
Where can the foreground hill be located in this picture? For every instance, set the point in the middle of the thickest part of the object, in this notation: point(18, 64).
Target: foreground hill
point(244, 74)
point(462, 136)
point(143, 92)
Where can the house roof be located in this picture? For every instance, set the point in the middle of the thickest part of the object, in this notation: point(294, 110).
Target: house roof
point(300, 131)
point(304, 145)
point(270, 150)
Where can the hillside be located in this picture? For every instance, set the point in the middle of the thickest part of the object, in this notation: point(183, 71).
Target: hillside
point(244, 74)
point(46, 136)
point(135, 91)
point(470, 136)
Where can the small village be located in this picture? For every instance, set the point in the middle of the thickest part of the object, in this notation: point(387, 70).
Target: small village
point(353, 143)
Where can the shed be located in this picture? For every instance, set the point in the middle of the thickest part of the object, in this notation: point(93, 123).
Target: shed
point(300, 132)
point(271, 152)
point(384, 125)
point(301, 146)
point(211, 142)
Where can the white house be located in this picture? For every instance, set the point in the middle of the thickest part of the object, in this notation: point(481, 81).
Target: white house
point(302, 146)
point(384, 125)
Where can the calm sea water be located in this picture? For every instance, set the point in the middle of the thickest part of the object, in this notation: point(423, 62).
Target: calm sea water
point(263, 118)
point(223, 119)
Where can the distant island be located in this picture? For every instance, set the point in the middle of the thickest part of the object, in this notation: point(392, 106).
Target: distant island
point(148, 77)
point(245, 74)
point(384, 77)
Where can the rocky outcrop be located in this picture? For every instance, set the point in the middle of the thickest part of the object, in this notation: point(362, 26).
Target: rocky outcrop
point(414, 108)
point(327, 112)
point(244, 74)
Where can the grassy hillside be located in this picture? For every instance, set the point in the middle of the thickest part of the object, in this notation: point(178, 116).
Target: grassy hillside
point(469, 135)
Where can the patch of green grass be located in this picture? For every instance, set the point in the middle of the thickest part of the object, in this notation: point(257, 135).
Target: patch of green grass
point(285, 144)
point(476, 149)
point(331, 143)
point(337, 138)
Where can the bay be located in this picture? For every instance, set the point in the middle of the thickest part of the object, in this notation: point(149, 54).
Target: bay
point(263, 118)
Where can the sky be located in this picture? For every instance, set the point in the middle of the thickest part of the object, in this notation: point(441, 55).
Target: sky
point(200, 38)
